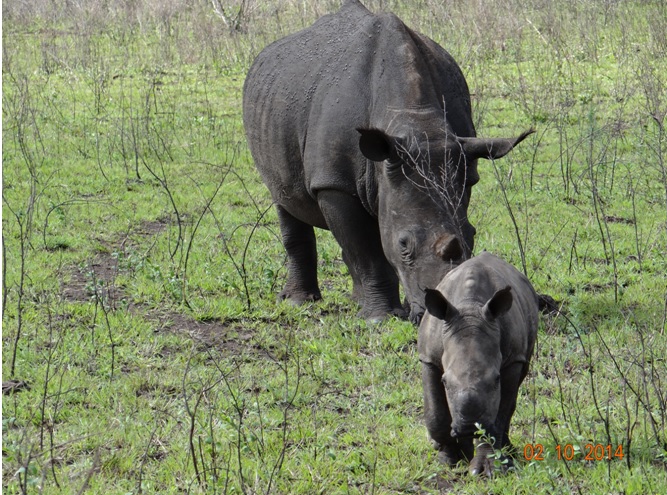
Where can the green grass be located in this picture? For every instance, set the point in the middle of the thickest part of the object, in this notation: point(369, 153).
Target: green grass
point(141, 258)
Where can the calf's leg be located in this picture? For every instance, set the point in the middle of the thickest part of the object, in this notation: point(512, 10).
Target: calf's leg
point(437, 417)
point(510, 380)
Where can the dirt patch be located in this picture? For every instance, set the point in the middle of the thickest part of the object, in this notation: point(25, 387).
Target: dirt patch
point(446, 481)
point(150, 228)
point(96, 279)
point(12, 386)
point(446, 485)
point(614, 219)
point(229, 336)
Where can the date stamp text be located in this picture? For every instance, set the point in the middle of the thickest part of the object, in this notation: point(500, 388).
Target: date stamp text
point(591, 452)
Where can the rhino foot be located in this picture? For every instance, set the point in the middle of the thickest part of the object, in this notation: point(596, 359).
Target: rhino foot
point(450, 453)
point(297, 298)
point(376, 317)
point(482, 463)
point(449, 456)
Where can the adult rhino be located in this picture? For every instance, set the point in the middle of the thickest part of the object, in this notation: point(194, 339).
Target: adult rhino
point(360, 125)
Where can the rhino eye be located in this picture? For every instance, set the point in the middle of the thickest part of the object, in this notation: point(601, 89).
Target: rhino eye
point(406, 247)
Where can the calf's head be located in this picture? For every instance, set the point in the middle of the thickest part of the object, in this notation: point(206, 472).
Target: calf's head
point(423, 191)
point(471, 359)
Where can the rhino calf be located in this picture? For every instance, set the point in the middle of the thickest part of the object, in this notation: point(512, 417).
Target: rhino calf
point(475, 343)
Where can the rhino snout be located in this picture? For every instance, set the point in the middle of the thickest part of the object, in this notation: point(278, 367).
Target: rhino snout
point(469, 408)
point(416, 313)
point(466, 430)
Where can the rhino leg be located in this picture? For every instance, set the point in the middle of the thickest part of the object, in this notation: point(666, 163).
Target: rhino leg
point(511, 378)
point(300, 244)
point(358, 288)
point(438, 419)
point(359, 237)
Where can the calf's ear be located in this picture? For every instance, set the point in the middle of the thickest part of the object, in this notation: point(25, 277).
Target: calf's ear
point(437, 305)
point(490, 148)
point(499, 304)
point(375, 144)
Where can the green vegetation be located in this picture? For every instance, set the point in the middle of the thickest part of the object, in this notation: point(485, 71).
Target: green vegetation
point(143, 350)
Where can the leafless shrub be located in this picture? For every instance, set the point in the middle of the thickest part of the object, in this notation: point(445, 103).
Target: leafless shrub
point(442, 182)
point(102, 296)
point(595, 164)
point(235, 17)
point(508, 206)
point(19, 105)
point(654, 86)
point(229, 241)
point(217, 468)
point(33, 456)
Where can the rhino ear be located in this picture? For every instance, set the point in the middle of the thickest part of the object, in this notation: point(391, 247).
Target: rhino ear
point(499, 304)
point(437, 305)
point(375, 144)
point(490, 148)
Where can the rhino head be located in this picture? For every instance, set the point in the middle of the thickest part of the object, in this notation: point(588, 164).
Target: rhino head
point(423, 191)
point(471, 359)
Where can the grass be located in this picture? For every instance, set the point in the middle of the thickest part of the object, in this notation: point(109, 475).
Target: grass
point(141, 258)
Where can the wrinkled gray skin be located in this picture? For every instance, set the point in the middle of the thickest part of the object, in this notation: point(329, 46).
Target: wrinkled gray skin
point(333, 114)
point(475, 343)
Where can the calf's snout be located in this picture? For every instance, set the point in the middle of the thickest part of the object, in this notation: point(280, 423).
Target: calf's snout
point(468, 409)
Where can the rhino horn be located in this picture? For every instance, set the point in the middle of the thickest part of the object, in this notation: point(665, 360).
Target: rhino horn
point(490, 148)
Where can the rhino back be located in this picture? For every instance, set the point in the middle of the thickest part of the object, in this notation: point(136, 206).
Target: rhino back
point(282, 89)
point(307, 93)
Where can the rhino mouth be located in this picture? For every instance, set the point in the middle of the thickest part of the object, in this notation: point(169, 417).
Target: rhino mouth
point(465, 433)
point(464, 430)
point(416, 313)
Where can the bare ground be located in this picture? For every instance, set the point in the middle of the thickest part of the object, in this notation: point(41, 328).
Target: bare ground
point(97, 280)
